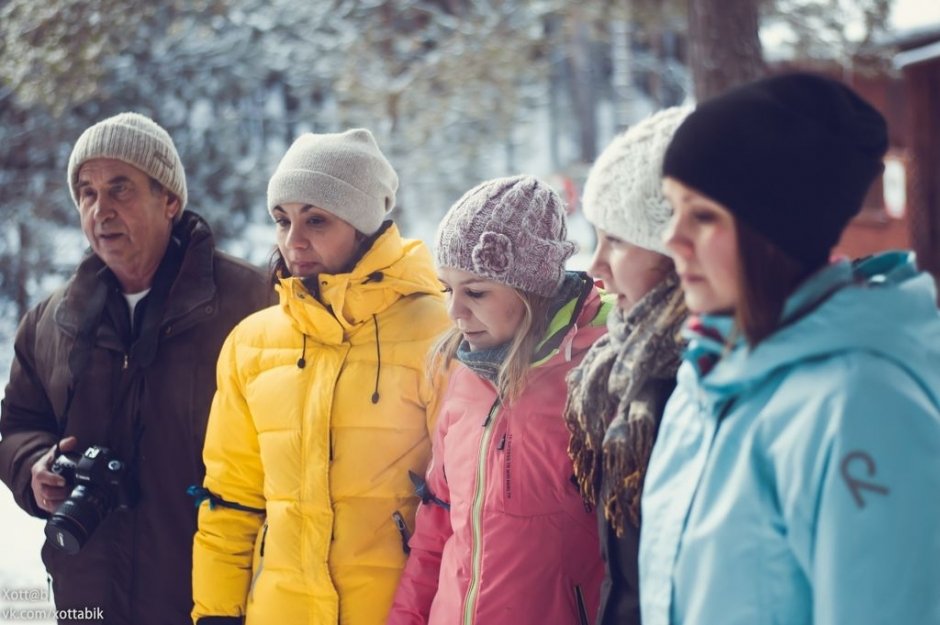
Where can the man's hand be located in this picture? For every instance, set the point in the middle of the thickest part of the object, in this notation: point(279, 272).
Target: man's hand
point(48, 488)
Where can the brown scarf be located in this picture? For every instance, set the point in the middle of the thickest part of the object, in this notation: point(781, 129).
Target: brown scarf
point(613, 411)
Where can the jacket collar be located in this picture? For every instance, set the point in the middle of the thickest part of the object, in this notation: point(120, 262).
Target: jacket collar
point(193, 287)
point(390, 269)
point(584, 307)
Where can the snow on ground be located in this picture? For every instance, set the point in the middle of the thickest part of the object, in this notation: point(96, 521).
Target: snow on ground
point(21, 535)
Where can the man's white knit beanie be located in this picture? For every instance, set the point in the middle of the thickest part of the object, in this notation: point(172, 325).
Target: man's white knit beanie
point(623, 193)
point(345, 174)
point(136, 140)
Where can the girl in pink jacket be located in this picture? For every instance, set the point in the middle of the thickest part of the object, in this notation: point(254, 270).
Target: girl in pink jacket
point(502, 535)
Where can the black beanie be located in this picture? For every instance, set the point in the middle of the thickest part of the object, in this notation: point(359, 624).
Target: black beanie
point(791, 156)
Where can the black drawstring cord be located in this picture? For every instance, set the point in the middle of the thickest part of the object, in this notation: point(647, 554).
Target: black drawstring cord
point(378, 355)
point(302, 361)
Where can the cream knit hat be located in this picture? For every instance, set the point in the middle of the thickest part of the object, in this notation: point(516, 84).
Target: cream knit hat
point(137, 140)
point(623, 193)
point(345, 174)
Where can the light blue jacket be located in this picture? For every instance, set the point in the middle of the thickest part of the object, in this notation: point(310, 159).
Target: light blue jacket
point(800, 482)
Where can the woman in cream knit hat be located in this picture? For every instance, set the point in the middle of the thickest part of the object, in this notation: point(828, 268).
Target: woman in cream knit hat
point(323, 407)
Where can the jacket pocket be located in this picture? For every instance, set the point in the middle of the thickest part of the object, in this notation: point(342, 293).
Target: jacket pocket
point(258, 564)
point(534, 468)
point(579, 605)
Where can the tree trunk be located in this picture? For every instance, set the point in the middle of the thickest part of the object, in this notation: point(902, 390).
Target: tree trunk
point(23, 269)
point(724, 47)
point(581, 87)
point(556, 78)
point(620, 31)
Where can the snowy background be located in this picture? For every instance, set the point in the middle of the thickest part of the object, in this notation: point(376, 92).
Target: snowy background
point(536, 144)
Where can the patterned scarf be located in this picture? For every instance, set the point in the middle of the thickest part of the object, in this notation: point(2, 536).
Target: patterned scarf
point(612, 412)
point(484, 362)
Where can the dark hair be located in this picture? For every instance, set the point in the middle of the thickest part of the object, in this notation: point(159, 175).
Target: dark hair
point(767, 276)
point(277, 267)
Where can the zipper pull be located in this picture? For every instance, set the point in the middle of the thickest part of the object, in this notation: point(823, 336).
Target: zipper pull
point(403, 530)
point(489, 415)
point(124, 366)
point(502, 443)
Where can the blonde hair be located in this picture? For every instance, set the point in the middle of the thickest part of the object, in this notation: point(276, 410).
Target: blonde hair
point(514, 370)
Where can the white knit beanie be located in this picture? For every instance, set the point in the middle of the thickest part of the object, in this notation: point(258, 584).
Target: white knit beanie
point(623, 193)
point(136, 140)
point(345, 174)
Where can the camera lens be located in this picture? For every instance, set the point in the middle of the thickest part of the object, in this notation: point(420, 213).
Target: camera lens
point(77, 517)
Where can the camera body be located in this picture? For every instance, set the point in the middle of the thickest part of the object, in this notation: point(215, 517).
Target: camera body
point(100, 483)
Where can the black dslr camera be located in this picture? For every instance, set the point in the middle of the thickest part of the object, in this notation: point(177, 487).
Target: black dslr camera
point(100, 483)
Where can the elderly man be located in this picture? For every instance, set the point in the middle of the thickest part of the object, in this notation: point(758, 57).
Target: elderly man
point(121, 362)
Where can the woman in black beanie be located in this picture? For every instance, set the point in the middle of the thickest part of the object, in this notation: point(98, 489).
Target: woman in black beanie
point(795, 463)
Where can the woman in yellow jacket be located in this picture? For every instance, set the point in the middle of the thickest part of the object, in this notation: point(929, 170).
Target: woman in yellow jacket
point(323, 406)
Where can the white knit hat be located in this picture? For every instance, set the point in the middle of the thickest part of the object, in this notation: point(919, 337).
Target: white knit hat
point(623, 193)
point(345, 174)
point(136, 140)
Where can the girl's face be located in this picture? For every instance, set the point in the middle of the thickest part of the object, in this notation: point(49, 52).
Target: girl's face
point(702, 239)
point(487, 313)
point(629, 271)
point(312, 240)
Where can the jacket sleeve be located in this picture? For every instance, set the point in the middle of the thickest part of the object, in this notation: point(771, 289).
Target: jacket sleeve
point(224, 544)
point(863, 517)
point(418, 585)
point(432, 389)
point(28, 426)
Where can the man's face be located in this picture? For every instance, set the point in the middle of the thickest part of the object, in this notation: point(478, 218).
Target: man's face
point(127, 224)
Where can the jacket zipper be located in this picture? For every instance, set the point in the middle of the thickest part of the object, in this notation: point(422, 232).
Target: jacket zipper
point(476, 513)
point(254, 579)
point(403, 530)
point(582, 610)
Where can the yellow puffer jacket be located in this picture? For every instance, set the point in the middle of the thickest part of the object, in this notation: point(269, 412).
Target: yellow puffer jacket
point(322, 409)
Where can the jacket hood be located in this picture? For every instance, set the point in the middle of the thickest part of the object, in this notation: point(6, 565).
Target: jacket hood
point(882, 304)
point(587, 309)
point(391, 269)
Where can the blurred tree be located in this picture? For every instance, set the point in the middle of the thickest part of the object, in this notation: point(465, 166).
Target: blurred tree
point(829, 31)
point(45, 62)
point(32, 173)
point(456, 91)
point(724, 46)
point(445, 83)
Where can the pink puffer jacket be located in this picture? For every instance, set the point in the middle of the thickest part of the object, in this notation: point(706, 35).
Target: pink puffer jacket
point(517, 545)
